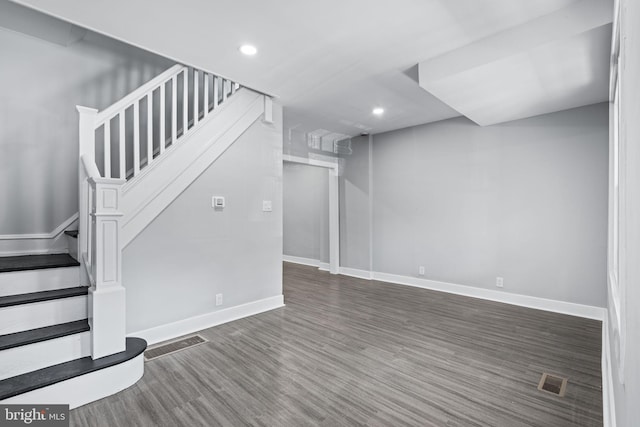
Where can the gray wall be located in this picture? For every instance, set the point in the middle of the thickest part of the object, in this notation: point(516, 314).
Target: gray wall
point(43, 77)
point(355, 217)
point(306, 211)
point(524, 200)
point(191, 252)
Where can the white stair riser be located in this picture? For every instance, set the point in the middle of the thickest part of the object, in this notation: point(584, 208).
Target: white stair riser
point(24, 282)
point(72, 247)
point(27, 358)
point(86, 388)
point(23, 317)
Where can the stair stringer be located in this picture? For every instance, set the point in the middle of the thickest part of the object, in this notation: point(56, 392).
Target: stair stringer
point(148, 194)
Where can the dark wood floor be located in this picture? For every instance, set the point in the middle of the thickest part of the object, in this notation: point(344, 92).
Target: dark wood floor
point(346, 351)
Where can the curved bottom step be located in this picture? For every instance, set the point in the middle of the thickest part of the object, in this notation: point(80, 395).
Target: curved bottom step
point(79, 381)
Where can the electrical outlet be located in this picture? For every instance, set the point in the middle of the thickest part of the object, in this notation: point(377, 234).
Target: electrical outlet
point(267, 206)
point(218, 299)
point(421, 270)
point(500, 282)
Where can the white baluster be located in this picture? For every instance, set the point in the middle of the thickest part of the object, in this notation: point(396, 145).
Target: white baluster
point(206, 95)
point(149, 128)
point(107, 149)
point(233, 88)
point(174, 109)
point(216, 94)
point(224, 89)
point(122, 143)
point(136, 138)
point(185, 102)
point(162, 119)
point(196, 98)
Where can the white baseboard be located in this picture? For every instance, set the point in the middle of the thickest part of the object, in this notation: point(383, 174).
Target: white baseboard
point(208, 320)
point(323, 266)
point(608, 402)
point(86, 388)
point(579, 310)
point(36, 244)
point(299, 260)
point(58, 230)
point(354, 272)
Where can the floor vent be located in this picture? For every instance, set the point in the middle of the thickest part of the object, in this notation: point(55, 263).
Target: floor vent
point(553, 384)
point(173, 347)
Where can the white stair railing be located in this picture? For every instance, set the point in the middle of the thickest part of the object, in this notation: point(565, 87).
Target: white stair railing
point(172, 105)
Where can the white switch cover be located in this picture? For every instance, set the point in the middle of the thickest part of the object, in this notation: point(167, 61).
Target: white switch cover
point(217, 202)
point(267, 206)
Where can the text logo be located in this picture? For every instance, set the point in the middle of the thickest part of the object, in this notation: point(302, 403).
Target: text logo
point(34, 415)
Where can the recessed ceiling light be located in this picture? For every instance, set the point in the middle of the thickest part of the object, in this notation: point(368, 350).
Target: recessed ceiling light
point(248, 49)
point(378, 111)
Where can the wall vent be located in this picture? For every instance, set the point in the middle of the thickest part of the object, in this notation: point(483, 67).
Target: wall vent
point(553, 384)
point(173, 347)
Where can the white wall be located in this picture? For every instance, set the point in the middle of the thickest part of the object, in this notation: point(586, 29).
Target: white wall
point(524, 200)
point(626, 376)
point(173, 270)
point(41, 81)
point(306, 211)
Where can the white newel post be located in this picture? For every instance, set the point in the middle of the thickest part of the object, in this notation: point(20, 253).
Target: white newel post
point(107, 295)
point(99, 245)
point(86, 148)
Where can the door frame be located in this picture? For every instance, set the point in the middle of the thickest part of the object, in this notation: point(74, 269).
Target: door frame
point(334, 203)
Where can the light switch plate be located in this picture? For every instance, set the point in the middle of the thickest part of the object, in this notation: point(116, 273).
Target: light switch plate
point(217, 202)
point(267, 206)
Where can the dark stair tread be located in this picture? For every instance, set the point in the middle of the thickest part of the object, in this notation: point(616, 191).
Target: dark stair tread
point(31, 336)
point(20, 299)
point(64, 371)
point(36, 262)
point(72, 233)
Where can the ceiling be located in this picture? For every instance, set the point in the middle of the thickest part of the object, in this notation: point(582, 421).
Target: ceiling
point(330, 62)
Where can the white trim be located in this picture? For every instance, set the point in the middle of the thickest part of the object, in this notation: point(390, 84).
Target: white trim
point(299, 260)
point(32, 252)
point(310, 162)
point(580, 310)
point(370, 177)
point(208, 320)
point(354, 272)
point(55, 233)
point(322, 266)
point(334, 206)
point(608, 397)
point(86, 388)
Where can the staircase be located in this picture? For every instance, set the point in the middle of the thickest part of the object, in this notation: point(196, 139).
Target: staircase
point(62, 316)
